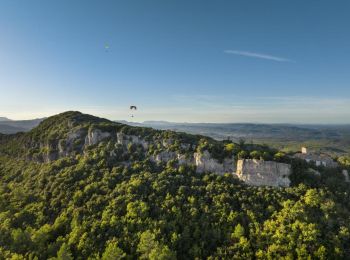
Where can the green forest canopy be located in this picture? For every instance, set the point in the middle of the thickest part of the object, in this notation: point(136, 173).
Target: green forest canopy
point(89, 206)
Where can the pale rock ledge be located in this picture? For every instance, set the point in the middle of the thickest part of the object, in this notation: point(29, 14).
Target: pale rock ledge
point(264, 173)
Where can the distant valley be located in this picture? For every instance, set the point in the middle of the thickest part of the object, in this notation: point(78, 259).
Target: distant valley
point(332, 139)
point(8, 126)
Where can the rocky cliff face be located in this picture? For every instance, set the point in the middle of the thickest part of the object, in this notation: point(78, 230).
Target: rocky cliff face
point(205, 163)
point(76, 140)
point(252, 172)
point(264, 173)
point(95, 136)
point(73, 133)
point(346, 175)
point(65, 147)
point(125, 140)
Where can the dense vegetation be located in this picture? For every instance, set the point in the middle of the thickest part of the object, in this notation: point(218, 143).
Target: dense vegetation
point(87, 205)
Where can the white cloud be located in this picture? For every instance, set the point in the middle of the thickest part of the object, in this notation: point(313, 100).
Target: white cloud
point(257, 55)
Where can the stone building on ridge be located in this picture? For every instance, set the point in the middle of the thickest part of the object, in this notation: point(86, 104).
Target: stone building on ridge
point(320, 159)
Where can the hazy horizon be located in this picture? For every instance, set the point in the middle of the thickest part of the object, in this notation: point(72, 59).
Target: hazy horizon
point(136, 121)
point(179, 61)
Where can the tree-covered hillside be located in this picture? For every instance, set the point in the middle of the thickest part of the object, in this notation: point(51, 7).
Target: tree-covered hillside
point(65, 196)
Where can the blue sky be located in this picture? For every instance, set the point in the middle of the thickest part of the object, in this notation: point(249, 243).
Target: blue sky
point(195, 61)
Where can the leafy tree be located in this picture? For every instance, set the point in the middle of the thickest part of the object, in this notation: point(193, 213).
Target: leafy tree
point(149, 248)
point(64, 253)
point(113, 252)
point(242, 155)
point(239, 232)
point(255, 154)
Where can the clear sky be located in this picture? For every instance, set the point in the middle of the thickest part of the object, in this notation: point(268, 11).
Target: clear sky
point(185, 60)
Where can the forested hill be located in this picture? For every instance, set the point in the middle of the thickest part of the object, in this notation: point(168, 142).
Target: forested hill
point(72, 133)
point(82, 187)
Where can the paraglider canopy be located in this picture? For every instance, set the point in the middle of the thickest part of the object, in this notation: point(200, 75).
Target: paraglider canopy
point(133, 108)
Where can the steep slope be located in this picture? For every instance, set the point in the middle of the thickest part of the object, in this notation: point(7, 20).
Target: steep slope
point(83, 187)
point(73, 133)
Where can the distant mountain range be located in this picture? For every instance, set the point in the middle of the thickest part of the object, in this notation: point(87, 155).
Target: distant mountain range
point(8, 126)
point(332, 139)
point(4, 119)
point(252, 130)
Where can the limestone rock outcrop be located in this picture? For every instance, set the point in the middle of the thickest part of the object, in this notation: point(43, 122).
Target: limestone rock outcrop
point(264, 173)
point(95, 136)
point(205, 163)
point(252, 172)
point(124, 139)
point(184, 159)
point(346, 175)
point(165, 156)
